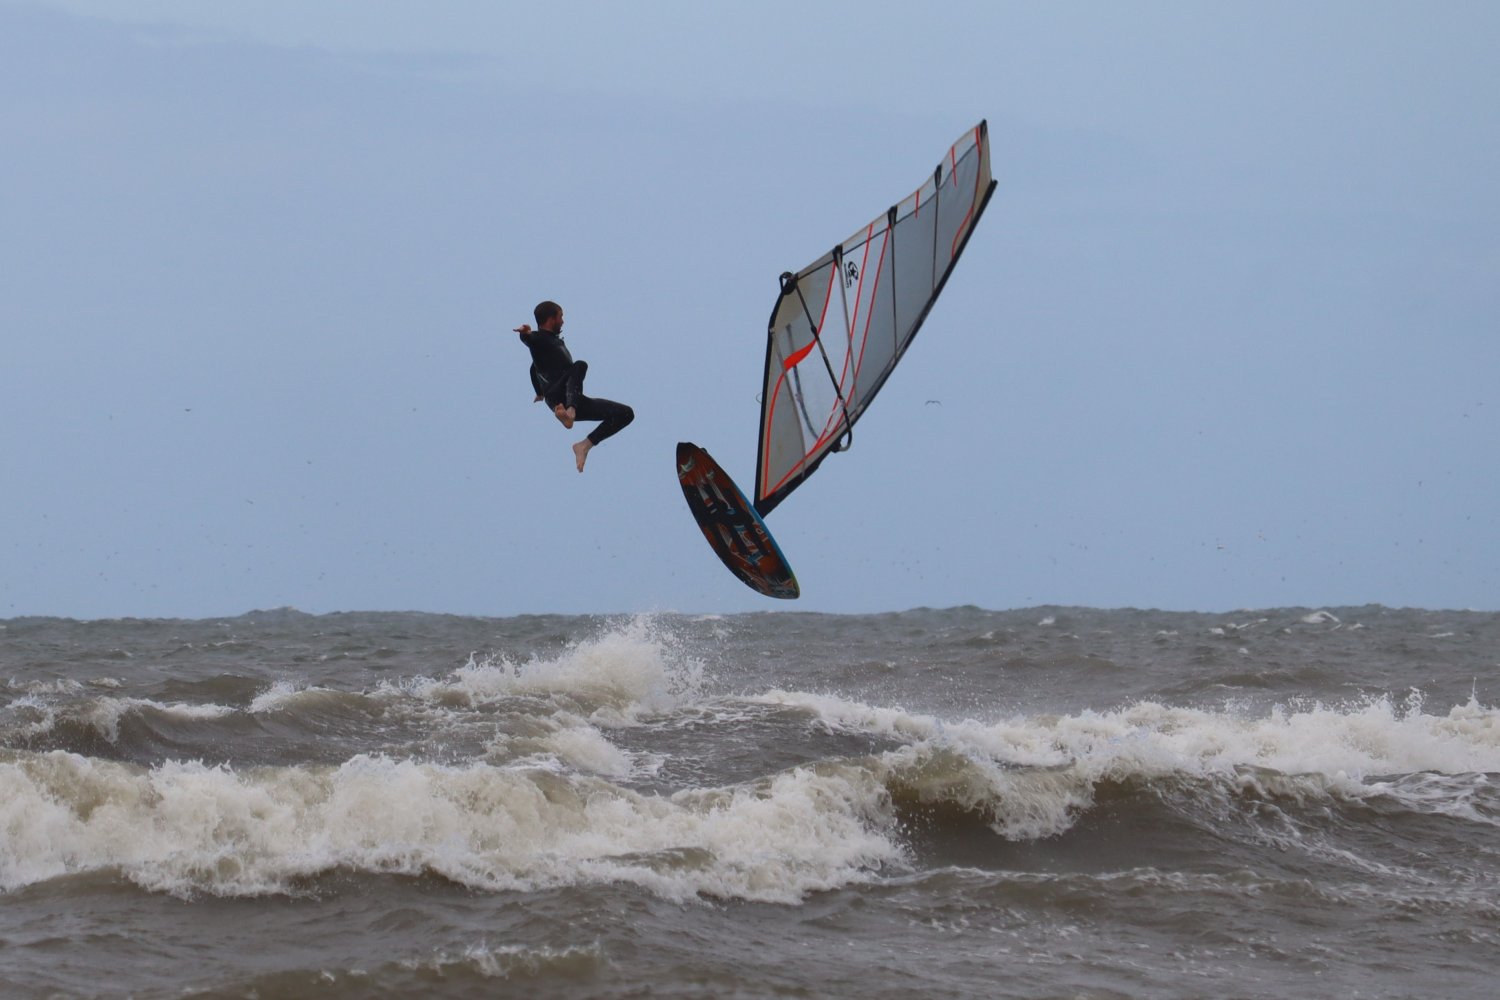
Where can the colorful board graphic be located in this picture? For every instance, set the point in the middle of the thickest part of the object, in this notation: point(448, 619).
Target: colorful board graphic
point(734, 530)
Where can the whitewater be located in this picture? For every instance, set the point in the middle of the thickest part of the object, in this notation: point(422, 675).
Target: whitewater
point(1046, 802)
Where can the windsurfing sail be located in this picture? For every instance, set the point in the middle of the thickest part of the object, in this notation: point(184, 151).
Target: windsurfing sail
point(842, 323)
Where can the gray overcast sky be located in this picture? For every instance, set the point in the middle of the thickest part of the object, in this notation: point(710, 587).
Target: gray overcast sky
point(1226, 337)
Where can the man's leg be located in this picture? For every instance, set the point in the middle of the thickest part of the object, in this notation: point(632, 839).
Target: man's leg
point(614, 417)
point(564, 407)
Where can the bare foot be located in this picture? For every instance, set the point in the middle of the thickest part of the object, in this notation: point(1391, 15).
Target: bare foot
point(566, 414)
point(581, 452)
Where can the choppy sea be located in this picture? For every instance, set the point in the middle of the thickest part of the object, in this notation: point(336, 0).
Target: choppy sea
point(1049, 802)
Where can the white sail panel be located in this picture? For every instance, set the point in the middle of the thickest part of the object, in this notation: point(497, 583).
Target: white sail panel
point(795, 389)
point(841, 324)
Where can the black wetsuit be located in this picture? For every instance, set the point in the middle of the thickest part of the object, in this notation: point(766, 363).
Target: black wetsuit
point(557, 378)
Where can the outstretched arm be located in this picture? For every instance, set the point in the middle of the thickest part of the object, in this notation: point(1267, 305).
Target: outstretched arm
point(536, 383)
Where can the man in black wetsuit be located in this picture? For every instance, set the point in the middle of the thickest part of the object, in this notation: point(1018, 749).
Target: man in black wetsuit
point(558, 379)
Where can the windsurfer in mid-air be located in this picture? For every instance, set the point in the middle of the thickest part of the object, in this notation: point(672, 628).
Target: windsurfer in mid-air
point(558, 379)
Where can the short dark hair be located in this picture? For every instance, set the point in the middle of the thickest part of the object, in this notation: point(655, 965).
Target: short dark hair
point(546, 310)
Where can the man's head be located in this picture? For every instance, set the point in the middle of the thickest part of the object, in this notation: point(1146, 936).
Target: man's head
point(549, 316)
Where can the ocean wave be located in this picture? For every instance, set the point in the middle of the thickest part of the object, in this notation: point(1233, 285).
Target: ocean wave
point(448, 972)
point(549, 809)
point(632, 673)
point(514, 773)
point(489, 961)
point(629, 672)
point(190, 828)
point(34, 717)
point(1034, 776)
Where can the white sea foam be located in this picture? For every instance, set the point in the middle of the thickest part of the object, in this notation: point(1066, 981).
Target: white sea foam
point(51, 685)
point(1037, 774)
point(105, 714)
point(629, 674)
point(186, 828)
point(191, 828)
point(44, 703)
point(515, 961)
point(565, 820)
point(626, 674)
point(34, 715)
point(276, 698)
point(581, 746)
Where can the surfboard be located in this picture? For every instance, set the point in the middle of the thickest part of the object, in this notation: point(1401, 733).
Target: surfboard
point(734, 530)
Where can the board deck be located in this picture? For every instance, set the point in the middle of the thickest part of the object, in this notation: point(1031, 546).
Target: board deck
point(734, 530)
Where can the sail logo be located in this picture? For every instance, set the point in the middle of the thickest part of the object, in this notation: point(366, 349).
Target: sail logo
point(851, 273)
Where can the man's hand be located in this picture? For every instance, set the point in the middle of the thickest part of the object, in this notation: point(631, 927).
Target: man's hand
point(524, 329)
